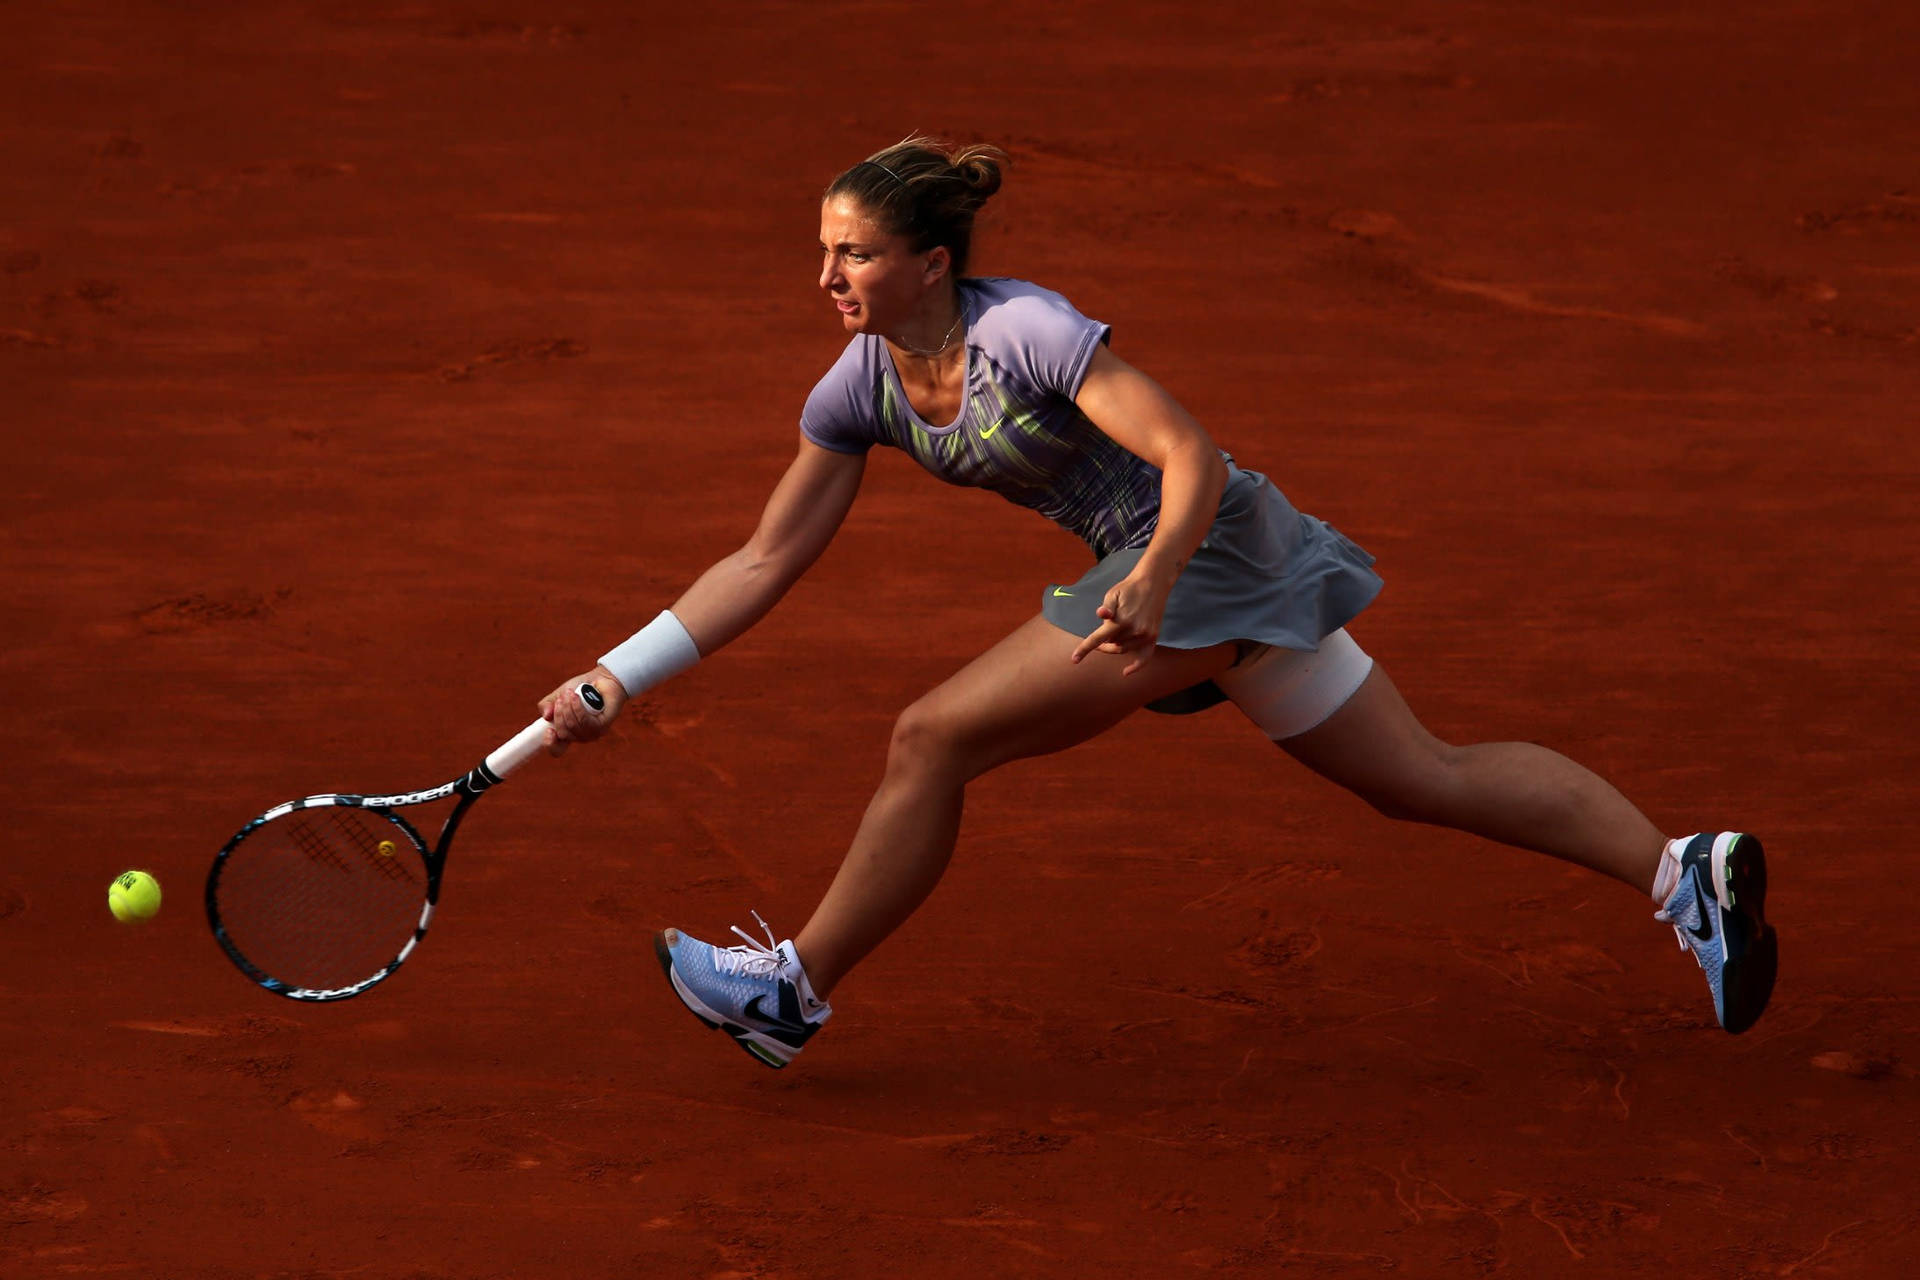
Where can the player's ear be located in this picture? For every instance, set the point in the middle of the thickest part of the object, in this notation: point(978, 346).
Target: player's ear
point(939, 263)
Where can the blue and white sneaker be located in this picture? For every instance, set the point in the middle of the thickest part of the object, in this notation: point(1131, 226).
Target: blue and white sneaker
point(758, 994)
point(1718, 912)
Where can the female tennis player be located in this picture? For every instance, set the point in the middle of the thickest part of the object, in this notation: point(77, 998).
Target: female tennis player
point(1208, 585)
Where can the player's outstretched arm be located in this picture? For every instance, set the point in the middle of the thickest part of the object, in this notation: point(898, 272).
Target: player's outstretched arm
point(799, 521)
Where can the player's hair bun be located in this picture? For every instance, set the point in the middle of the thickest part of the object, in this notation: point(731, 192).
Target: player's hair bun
point(981, 167)
point(926, 190)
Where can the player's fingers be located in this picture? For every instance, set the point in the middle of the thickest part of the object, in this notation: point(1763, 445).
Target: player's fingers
point(581, 724)
point(1125, 640)
point(554, 706)
point(1146, 652)
point(1098, 640)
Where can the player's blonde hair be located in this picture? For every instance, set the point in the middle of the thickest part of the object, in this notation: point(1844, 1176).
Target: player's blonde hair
point(926, 190)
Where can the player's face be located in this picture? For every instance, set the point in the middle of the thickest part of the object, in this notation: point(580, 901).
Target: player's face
point(875, 279)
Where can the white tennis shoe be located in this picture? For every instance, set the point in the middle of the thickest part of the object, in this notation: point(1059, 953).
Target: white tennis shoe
point(756, 993)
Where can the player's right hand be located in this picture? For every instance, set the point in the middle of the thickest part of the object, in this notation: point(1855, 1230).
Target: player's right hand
point(568, 719)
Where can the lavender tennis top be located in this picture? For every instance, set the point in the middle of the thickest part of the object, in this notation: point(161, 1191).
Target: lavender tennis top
point(1019, 432)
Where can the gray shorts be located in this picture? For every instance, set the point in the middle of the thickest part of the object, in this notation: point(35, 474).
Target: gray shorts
point(1265, 574)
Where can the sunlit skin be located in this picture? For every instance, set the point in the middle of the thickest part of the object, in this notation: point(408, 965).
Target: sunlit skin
point(880, 285)
point(1042, 689)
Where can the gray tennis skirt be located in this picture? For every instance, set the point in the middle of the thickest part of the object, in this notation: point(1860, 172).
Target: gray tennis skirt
point(1266, 574)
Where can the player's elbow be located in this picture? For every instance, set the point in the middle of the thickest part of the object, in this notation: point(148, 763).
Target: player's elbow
point(1196, 456)
point(1216, 466)
point(772, 565)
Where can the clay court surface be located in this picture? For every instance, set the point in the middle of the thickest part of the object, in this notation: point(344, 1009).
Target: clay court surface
point(366, 369)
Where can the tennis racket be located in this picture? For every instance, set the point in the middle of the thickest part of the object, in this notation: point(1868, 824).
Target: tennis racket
point(325, 897)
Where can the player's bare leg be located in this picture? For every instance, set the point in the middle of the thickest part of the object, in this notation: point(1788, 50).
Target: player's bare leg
point(1021, 698)
point(1517, 793)
point(1525, 795)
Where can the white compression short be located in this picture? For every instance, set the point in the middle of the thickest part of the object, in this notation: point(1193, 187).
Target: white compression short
point(1287, 692)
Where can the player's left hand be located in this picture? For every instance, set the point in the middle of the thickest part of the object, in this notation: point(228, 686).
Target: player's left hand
point(1130, 620)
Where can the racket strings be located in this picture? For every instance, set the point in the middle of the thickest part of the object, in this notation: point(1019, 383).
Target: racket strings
point(315, 844)
point(325, 897)
point(323, 842)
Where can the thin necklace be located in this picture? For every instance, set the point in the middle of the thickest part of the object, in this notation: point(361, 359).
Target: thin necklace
point(928, 355)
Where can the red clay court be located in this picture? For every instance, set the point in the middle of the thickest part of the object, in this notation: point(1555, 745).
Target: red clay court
point(368, 368)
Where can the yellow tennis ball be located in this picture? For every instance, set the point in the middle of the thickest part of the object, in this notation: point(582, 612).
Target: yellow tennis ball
point(133, 896)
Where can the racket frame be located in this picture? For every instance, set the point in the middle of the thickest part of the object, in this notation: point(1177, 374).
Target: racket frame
point(469, 788)
point(490, 772)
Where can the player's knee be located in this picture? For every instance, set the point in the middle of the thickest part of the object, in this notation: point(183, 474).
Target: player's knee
point(1400, 805)
point(924, 741)
point(1421, 789)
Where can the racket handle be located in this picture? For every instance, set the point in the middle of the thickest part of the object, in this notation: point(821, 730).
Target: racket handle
point(519, 749)
point(532, 740)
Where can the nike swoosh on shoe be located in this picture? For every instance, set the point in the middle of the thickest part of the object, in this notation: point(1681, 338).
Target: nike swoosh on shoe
point(754, 1009)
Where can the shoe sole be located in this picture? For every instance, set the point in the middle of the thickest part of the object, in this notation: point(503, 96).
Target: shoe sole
point(1740, 883)
point(745, 1037)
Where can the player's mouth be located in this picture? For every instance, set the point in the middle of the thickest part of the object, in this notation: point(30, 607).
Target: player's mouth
point(847, 306)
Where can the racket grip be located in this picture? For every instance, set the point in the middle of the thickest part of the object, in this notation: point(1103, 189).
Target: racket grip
point(519, 749)
point(532, 740)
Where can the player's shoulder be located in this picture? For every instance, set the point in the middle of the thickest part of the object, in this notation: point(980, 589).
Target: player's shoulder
point(1033, 334)
point(839, 412)
point(852, 373)
point(1003, 302)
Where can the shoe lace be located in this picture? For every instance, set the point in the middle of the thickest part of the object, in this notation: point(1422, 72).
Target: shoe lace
point(1681, 920)
point(1679, 933)
point(756, 959)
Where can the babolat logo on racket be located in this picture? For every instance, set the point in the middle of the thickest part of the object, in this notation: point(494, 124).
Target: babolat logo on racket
point(396, 802)
point(591, 696)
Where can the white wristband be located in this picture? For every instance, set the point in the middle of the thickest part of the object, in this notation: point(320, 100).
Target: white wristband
point(658, 651)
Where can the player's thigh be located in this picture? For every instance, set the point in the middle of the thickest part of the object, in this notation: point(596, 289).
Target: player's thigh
point(1375, 747)
point(1024, 697)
